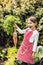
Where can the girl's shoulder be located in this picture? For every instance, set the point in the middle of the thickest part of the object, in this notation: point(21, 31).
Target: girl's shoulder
point(35, 32)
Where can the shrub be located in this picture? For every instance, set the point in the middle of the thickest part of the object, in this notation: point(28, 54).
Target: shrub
point(41, 31)
point(11, 55)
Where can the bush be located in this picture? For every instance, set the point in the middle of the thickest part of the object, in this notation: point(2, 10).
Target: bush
point(3, 54)
point(41, 31)
point(39, 13)
point(11, 56)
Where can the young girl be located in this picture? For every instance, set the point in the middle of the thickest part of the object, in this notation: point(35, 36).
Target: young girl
point(28, 46)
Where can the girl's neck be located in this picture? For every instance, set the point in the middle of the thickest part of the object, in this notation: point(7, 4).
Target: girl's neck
point(33, 28)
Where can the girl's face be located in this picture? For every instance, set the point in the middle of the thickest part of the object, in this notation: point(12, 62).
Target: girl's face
point(31, 24)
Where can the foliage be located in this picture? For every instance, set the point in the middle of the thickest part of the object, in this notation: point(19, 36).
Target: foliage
point(40, 51)
point(9, 21)
point(11, 52)
point(6, 6)
point(11, 55)
point(21, 9)
point(39, 54)
point(39, 10)
point(36, 58)
point(24, 8)
point(41, 30)
point(41, 24)
point(3, 55)
point(29, 7)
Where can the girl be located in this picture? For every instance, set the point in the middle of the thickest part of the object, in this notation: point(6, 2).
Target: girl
point(28, 46)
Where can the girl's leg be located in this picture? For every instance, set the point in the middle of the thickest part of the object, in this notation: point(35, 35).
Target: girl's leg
point(23, 63)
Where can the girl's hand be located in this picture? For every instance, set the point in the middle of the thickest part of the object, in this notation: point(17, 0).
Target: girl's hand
point(15, 26)
point(33, 55)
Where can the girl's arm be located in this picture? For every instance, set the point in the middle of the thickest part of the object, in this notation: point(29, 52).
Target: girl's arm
point(19, 30)
point(35, 44)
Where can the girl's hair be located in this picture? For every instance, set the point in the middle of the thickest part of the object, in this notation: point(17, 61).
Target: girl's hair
point(33, 19)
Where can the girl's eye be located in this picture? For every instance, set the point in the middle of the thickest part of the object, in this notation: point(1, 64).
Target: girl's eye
point(30, 23)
